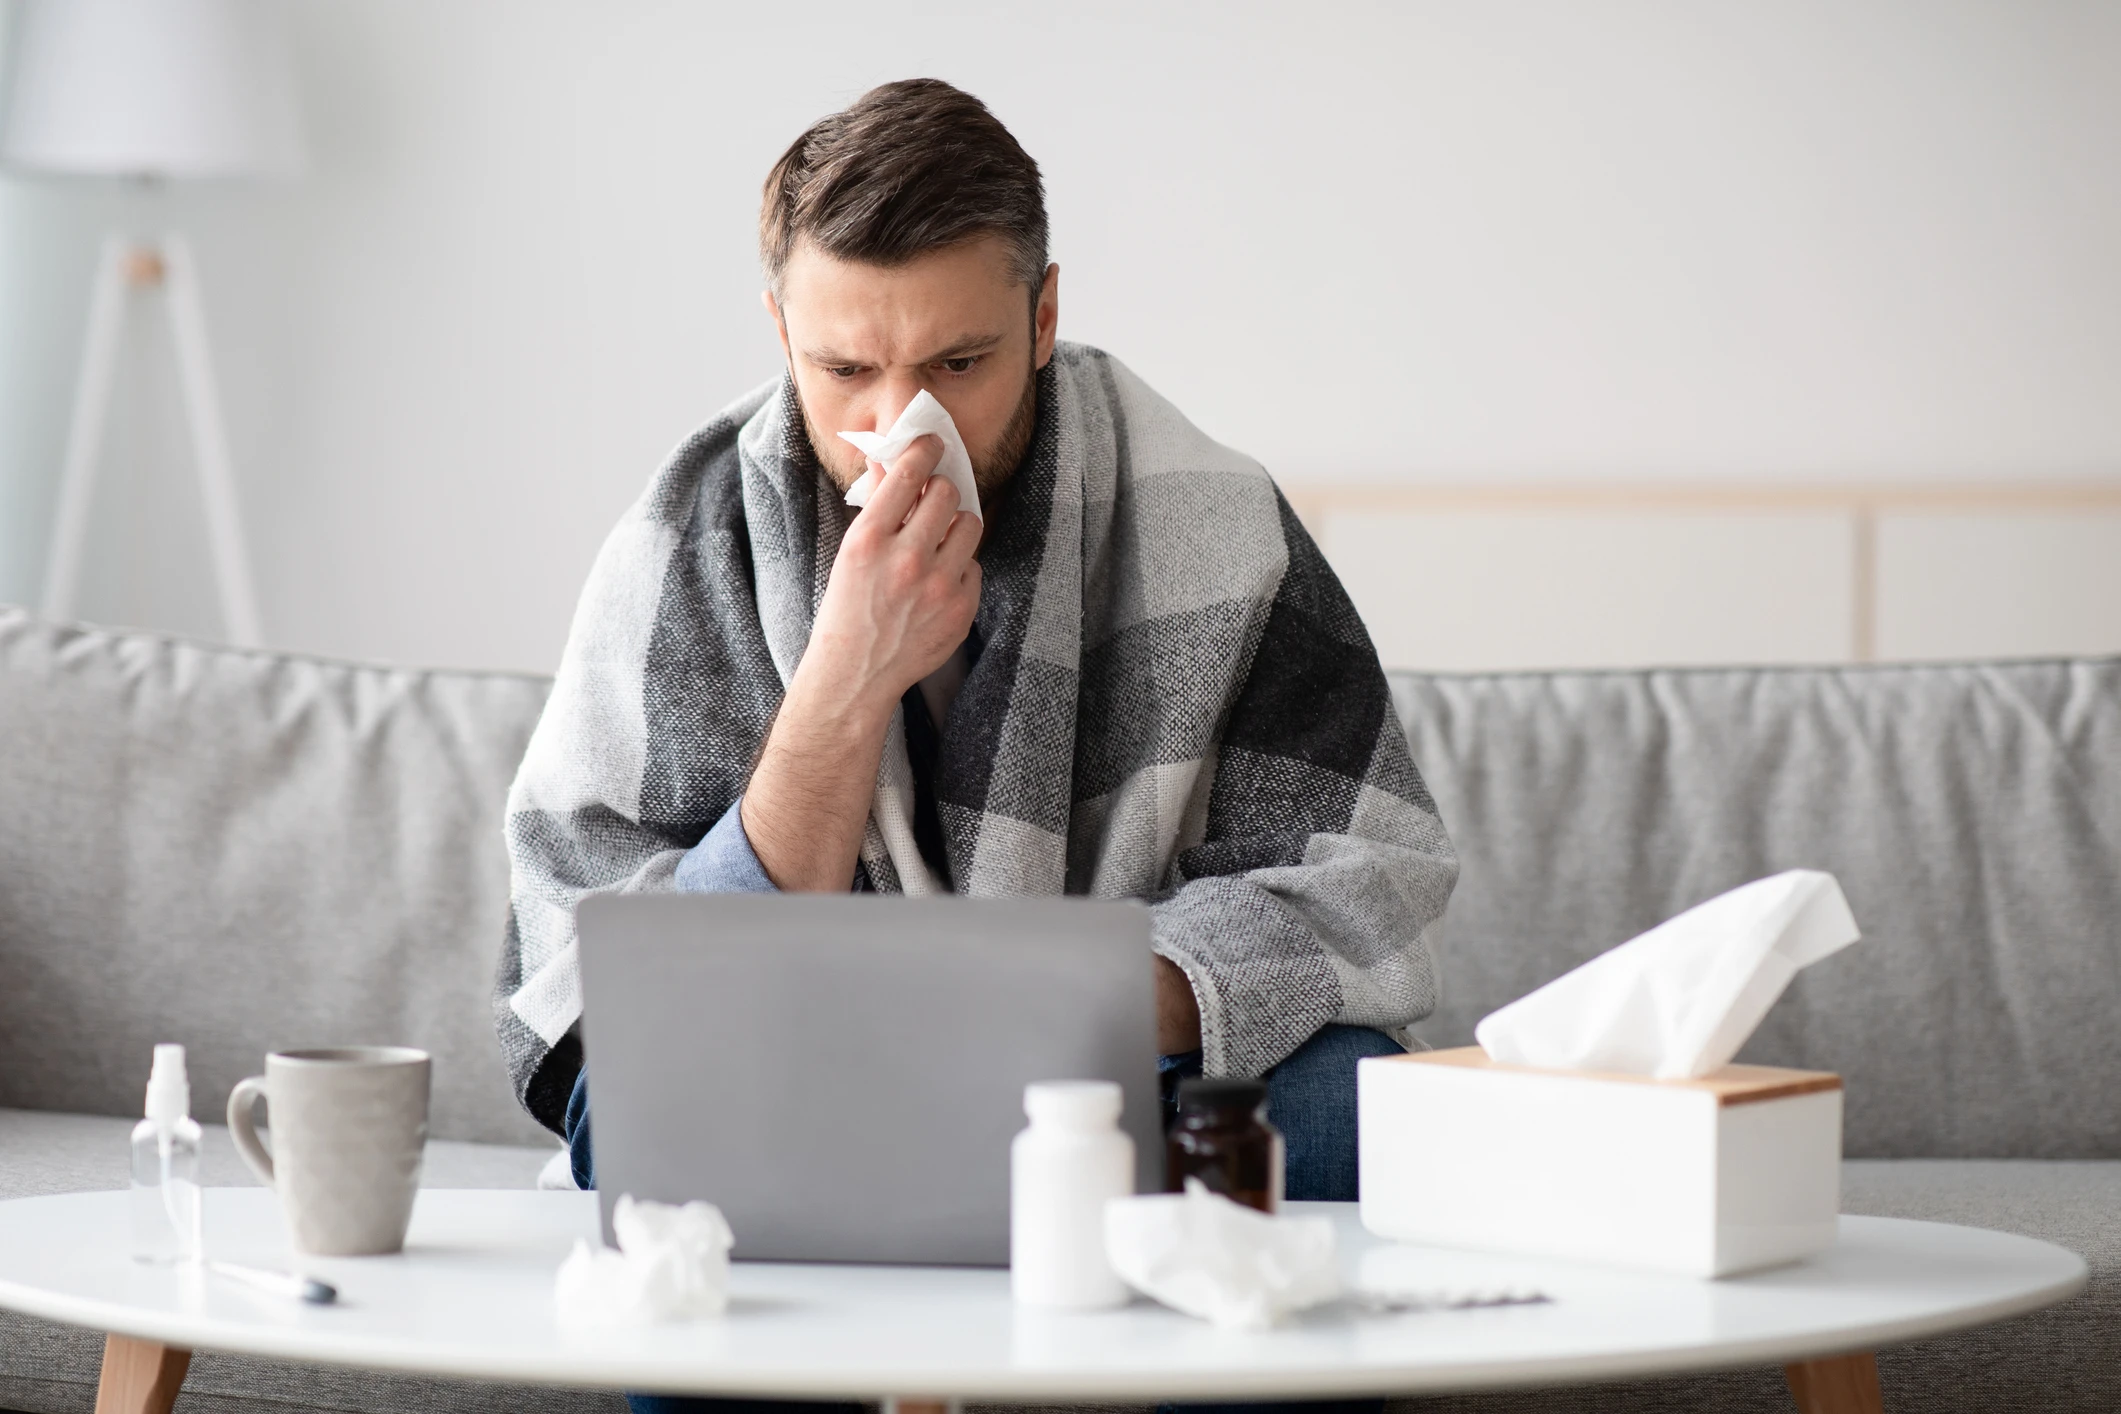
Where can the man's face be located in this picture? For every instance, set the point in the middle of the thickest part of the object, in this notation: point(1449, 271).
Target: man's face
point(862, 340)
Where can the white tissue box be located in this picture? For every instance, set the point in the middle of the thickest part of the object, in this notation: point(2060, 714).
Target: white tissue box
point(1729, 1173)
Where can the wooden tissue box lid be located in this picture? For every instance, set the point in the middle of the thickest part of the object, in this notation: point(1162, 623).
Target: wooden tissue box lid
point(1732, 1085)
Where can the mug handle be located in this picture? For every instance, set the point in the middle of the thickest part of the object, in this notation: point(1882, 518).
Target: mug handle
point(242, 1101)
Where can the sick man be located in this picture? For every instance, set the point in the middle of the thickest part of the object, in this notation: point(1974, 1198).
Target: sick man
point(1130, 675)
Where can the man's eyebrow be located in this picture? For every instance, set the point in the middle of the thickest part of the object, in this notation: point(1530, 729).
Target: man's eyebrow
point(970, 346)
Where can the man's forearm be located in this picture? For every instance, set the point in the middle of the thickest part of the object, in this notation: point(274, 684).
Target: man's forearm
point(807, 804)
point(902, 594)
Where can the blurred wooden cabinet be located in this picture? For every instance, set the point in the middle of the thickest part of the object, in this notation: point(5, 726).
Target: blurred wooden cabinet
point(1954, 584)
point(1592, 576)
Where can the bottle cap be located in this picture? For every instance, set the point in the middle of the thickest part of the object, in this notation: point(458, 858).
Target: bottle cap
point(168, 1087)
point(1078, 1104)
point(1220, 1095)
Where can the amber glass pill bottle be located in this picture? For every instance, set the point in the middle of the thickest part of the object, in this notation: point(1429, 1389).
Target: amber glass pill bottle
point(1221, 1137)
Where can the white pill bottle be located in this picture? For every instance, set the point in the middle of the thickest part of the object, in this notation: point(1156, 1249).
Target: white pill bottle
point(1063, 1169)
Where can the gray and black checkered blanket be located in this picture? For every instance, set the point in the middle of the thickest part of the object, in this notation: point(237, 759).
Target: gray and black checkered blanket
point(1174, 701)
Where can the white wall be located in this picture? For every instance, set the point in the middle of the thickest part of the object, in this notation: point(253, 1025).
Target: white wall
point(1438, 241)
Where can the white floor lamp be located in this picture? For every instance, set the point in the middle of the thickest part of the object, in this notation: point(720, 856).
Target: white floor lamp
point(151, 90)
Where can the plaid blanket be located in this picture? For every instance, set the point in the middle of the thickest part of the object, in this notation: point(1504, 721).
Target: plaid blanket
point(1174, 701)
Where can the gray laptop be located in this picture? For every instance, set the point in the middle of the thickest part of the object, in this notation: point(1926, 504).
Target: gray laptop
point(842, 1074)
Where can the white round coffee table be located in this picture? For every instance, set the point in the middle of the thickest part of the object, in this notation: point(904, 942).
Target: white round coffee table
point(471, 1296)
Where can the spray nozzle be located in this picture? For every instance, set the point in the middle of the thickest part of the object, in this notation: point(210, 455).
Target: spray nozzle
point(168, 1087)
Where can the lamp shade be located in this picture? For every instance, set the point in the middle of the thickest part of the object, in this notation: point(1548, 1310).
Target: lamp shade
point(151, 88)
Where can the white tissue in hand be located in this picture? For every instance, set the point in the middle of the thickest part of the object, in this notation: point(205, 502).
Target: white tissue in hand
point(671, 1264)
point(1202, 1254)
point(923, 417)
point(1678, 1001)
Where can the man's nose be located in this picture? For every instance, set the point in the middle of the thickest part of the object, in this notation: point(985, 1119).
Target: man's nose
point(894, 395)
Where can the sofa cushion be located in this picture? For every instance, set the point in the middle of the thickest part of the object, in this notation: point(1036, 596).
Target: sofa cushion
point(46, 1367)
point(1972, 814)
point(240, 851)
point(42, 1151)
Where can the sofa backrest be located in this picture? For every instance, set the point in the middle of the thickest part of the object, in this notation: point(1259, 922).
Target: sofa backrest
point(243, 851)
point(1972, 814)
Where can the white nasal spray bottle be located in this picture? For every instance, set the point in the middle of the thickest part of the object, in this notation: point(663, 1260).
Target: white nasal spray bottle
point(166, 1216)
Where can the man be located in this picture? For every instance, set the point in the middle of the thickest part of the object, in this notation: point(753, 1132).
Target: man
point(1132, 674)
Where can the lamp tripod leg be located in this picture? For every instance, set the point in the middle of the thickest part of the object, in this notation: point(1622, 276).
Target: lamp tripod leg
point(217, 482)
point(84, 436)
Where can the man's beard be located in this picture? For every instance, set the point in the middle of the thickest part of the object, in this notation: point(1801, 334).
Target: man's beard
point(989, 473)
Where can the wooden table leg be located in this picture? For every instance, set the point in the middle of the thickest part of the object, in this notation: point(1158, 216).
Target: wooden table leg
point(139, 1376)
point(904, 1404)
point(1842, 1384)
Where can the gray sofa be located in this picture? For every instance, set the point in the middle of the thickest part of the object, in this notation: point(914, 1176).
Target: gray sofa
point(242, 850)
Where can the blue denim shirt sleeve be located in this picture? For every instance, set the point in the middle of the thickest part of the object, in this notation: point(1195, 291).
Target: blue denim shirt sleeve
point(723, 861)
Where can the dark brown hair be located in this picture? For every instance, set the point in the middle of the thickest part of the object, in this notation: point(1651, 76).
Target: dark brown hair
point(909, 167)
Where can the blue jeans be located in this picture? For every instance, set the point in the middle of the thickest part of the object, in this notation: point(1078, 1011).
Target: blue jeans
point(1310, 1099)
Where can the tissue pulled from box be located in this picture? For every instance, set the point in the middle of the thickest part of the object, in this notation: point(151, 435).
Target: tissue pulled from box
point(1678, 1001)
point(1202, 1254)
point(671, 1264)
point(923, 417)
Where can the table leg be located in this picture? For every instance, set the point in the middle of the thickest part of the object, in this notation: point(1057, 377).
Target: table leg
point(139, 1376)
point(898, 1404)
point(1843, 1384)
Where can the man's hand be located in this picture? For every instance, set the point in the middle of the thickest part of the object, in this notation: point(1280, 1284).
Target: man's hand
point(1177, 1013)
point(904, 589)
point(902, 596)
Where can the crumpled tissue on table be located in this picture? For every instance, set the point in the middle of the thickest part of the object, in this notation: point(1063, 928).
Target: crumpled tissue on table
point(923, 417)
point(671, 1264)
point(1200, 1253)
point(1678, 1001)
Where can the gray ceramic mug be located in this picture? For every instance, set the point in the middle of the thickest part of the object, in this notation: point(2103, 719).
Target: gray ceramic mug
point(349, 1124)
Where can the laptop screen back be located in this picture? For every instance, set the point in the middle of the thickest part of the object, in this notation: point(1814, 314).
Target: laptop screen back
point(842, 1074)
